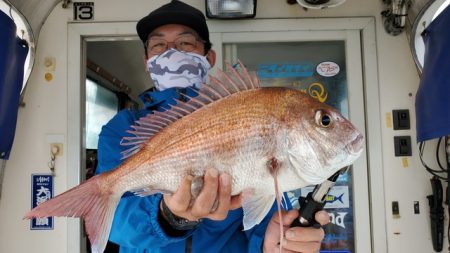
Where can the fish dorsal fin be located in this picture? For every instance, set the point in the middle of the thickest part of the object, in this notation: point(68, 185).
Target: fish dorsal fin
point(219, 87)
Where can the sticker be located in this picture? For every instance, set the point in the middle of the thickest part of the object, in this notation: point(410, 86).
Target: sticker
point(327, 69)
point(405, 163)
point(343, 178)
point(83, 11)
point(291, 199)
point(388, 120)
point(317, 91)
point(338, 197)
point(41, 191)
point(285, 70)
point(332, 241)
point(337, 218)
point(331, 236)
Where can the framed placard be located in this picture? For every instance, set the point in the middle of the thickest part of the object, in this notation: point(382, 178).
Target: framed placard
point(41, 191)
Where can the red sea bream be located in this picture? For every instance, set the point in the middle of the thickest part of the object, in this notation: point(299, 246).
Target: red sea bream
point(263, 137)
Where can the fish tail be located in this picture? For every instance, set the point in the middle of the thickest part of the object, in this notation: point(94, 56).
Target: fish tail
point(340, 198)
point(91, 201)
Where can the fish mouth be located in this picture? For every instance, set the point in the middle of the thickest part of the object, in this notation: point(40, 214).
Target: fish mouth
point(355, 146)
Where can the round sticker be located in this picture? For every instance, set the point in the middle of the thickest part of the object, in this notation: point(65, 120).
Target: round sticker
point(327, 68)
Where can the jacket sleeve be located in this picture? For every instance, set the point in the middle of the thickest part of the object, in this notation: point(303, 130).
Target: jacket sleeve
point(135, 223)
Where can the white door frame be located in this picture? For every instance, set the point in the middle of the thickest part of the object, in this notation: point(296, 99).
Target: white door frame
point(363, 27)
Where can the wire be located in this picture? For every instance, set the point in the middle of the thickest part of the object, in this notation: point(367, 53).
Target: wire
point(437, 154)
point(422, 148)
point(436, 174)
point(430, 170)
point(447, 201)
point(2, 174)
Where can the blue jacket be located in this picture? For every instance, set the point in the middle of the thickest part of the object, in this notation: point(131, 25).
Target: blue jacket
point(135, 227)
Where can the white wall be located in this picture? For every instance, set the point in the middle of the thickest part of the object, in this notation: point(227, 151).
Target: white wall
point(46, 113)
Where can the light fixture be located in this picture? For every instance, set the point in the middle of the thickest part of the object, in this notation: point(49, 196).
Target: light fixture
point(395, 16)
point(319, 4)
point(230, 9)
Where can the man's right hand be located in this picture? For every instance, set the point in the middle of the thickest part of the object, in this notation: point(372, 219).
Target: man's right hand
point(215, 187)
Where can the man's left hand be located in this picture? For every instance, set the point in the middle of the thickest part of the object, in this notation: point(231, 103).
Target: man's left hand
point(296, 239)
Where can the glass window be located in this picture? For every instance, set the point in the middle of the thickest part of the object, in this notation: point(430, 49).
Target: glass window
point(315, 67)
point(319, 69)
point(101, 105)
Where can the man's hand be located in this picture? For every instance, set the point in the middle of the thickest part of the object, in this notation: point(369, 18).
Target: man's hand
point(296, 239)
point(215, 187)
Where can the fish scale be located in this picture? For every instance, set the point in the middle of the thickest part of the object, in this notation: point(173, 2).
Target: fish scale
point(186, 158)
point(190, 144)
point(269, 140)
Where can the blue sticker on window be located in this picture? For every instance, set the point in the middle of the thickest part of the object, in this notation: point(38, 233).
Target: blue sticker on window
point(41, 191)
point(285, 70)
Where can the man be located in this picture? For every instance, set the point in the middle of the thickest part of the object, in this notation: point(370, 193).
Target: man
point(176, 39)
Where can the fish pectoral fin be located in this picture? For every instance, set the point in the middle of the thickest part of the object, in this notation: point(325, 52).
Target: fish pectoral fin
point(256, 206)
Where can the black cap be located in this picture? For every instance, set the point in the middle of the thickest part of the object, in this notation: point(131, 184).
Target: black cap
point(175, 12)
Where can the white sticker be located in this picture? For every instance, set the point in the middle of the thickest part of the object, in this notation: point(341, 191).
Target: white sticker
point(338, 197)
point(327, 69)
point(338, 218)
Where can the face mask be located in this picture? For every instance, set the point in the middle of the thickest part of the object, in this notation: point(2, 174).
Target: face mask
point(178, 69)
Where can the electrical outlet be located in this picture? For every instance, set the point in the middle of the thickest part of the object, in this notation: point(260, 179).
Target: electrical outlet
point(402, 146)
point(395, 210)
point(56, 149)
point(401, 119)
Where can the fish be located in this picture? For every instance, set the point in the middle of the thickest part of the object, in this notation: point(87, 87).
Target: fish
point(268, 139)
point(332, 198)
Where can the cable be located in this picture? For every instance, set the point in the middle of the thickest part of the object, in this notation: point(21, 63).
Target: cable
point(2, 174)
point(437, 154)
point(430, 170)
point(447, 201)
point(421, 149)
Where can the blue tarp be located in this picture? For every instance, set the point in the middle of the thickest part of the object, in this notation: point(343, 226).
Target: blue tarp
point(433, 95)
point(13, 52)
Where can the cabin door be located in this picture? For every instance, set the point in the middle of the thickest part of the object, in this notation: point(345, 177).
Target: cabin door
point(326, 65)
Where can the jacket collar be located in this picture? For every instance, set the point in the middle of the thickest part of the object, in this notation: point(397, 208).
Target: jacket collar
point(161, 100)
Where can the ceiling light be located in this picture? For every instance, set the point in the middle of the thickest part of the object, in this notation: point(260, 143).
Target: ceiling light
point(230, 9)
point(320, 4)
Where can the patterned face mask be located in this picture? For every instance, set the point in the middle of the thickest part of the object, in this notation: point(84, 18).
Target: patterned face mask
point(178, 69)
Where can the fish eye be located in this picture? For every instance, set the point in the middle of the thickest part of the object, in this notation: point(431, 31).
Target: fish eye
point(323, 119)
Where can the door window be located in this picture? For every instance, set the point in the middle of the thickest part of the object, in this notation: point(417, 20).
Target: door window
point(319, 69)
